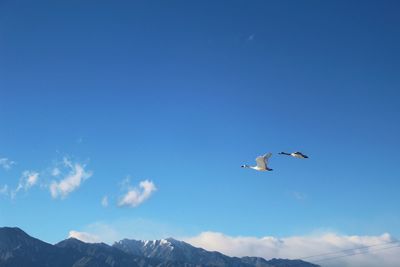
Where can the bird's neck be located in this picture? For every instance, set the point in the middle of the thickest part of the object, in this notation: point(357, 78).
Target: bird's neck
point(284, 153)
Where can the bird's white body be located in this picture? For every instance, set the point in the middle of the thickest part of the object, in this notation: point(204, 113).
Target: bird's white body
point(297, 155)
point(258, 168)
point(261, 163)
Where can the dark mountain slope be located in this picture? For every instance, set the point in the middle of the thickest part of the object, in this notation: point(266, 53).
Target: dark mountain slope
point(19, 249)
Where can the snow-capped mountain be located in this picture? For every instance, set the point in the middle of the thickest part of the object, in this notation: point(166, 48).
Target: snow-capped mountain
point(178, 251)
point(18, 249)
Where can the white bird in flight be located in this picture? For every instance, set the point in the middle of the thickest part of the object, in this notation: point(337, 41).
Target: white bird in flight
point(296, 154)
point(261, 163)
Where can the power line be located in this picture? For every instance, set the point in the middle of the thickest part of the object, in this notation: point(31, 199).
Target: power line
point(357, 253)
point(350, 249)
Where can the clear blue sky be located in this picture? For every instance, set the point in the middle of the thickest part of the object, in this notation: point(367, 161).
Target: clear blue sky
point(184, 92)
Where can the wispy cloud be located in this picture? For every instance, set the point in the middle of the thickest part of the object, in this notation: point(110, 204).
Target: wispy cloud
point(298, 247)
point(298, 195)
point(135, 196)
point(71, 181)
point(6, 164)
point(27, 180)
point(55, 172)
point(251, 37)
point(104, 201)
point(4, 190)
point(85, 237)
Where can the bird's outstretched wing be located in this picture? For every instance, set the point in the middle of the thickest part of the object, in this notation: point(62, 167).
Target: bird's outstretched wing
point(262, 160)
point(299, 154)
point(267, 156)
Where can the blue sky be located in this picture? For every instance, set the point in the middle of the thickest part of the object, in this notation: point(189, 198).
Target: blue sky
point(181, 93)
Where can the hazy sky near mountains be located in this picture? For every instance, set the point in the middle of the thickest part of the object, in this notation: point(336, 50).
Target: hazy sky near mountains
point(138, 115)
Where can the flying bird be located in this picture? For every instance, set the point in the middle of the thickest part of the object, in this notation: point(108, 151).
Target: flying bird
point(296, 154)
point(261, 163)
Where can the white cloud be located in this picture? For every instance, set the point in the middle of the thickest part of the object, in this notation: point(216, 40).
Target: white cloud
point(135, 196)
point(32, 178)
point(298, 247)
point(6, 163)
point(83, 236)
point(71, 181)
point(104, 201)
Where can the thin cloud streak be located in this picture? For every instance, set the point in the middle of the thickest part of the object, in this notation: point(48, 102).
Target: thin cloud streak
point(6, 164)
point(104, 201)
point(4, 190)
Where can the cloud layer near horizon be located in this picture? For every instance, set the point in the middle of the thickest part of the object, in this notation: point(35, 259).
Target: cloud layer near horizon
point(372, 250)
point(299, 247)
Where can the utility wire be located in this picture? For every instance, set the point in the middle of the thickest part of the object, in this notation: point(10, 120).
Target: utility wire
point(350, 249)
point(357, 253)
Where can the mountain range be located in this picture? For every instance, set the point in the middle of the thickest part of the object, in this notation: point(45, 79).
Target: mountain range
point(18, 249)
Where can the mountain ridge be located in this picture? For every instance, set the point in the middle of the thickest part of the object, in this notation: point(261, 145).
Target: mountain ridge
point(17, 248)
